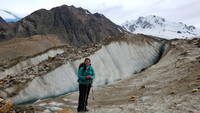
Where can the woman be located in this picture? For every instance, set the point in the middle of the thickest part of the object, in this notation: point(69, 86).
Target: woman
point(85, 77)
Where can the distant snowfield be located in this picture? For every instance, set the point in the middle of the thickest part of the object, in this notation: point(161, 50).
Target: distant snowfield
point(5, 15)
point(112, 62)
point(8, 16)
point(157, 26)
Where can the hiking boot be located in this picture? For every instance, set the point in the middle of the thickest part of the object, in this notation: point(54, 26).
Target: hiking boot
point(86, 110)
point(81, 111)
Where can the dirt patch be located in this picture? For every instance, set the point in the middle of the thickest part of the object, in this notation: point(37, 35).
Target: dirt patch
point(17, 49)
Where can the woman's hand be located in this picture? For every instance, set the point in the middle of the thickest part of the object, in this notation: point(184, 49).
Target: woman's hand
point(88, 77)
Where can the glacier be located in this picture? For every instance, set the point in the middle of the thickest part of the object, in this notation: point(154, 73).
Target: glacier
point(114, 61)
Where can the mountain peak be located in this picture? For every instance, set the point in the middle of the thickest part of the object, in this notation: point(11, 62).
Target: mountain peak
point(158, 26)
point(154, 19)
point(76, 26)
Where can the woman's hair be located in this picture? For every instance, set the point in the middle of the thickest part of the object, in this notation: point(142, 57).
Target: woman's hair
point(87, 59)
point(84, 67)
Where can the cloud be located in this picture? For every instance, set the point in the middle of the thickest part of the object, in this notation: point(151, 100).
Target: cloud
point(179, 10)
point(28, 6)
point(186, 11)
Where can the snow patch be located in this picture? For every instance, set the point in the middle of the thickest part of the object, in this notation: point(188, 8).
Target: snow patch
point(42, 104)
point(56, 104)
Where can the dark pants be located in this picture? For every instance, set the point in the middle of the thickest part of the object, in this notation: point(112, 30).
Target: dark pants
point(84, 91)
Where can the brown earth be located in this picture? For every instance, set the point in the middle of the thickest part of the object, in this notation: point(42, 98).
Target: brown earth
point(20, 48)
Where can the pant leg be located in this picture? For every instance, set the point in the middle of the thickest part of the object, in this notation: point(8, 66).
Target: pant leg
point(88, 92)
point(82, 97)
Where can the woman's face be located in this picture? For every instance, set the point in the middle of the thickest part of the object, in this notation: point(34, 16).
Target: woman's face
point(87, 62)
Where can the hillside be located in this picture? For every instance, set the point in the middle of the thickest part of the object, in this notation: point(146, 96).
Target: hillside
point(72, 25)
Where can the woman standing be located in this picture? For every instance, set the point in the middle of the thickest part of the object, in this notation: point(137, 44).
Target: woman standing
point(85, 77)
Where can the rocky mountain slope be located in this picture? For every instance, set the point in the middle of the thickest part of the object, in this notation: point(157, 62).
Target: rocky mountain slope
point(2, 21)
point(160, 27)
point(3, 25)
point(72, 25)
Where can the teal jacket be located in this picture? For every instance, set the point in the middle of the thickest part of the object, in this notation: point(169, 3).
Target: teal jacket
point(82, 75)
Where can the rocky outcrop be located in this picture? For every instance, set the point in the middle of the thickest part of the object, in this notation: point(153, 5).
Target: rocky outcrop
point(7, 106)
point(76, 26)
point(2, 28)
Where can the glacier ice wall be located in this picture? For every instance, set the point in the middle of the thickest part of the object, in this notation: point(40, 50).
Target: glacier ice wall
point(112, 62)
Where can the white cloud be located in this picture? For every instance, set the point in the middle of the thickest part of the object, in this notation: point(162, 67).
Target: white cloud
point(118, 11)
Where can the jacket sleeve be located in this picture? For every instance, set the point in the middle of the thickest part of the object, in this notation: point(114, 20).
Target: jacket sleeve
point(80, 74)
point(93, 73)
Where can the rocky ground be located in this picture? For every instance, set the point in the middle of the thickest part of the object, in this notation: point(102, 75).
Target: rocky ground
point(170, 86)
point(7, 106)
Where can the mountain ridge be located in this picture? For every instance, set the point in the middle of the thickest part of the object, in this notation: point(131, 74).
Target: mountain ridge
point(158, 26)
point(73, 25)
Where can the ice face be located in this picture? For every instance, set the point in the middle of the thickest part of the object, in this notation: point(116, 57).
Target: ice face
point(112, 62)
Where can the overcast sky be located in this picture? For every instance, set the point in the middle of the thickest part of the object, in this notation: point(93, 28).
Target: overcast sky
point(186, 11)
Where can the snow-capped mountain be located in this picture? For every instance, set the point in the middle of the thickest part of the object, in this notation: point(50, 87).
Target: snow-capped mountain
point(157, 26)
point(8, 16)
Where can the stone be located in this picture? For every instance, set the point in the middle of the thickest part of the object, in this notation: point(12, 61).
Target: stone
point(172, 93)
point(142, 87)
point(1, 99)
point(6, 108)
point(133, 98)
point(1, 81)
point(194, 90)
point(145, 98)
point(196, 80)
point(65, 111)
